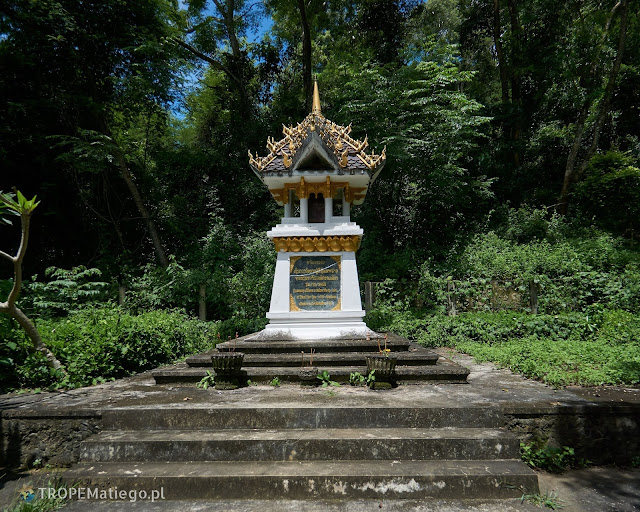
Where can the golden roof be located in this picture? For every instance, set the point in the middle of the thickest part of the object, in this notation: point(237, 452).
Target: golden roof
point(349, 154)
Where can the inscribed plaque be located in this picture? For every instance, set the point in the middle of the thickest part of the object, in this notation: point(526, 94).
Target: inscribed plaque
point(314, 283)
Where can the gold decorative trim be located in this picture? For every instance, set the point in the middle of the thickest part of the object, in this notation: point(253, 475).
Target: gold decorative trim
point(327, 188)
point(349, 243)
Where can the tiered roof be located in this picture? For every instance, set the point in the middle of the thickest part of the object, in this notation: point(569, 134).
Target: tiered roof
point(348, 154)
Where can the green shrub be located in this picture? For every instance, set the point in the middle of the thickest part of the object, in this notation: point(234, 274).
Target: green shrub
point(609, 194)
point(596, 347)
point(555, 460)
point(250, 288)
point(241, 326)
point(65, 291)
point(176, 287)
point(106, 343)
point(574, 348)
point(529, 224)
point(571, 274)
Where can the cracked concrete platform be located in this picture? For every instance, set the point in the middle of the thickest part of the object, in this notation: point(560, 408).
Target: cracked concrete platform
point(487, 384)
point(596, 489)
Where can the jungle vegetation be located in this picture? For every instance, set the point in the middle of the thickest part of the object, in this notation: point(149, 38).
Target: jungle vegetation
point(513, 157)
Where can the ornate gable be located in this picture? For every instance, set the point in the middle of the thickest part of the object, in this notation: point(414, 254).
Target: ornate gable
point(318, 137)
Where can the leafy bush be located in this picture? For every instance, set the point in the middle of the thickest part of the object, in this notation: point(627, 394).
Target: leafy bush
point(105, 343)
point(241, 326)
point(592, 348)
point(237, 275)
point(10, 337)
point(555, 460)
point(571, 274)
point(494, 257)
point(610, 192)
point(559, 349)
point(528, 224)
point(174, 287)
point(65, 291)
point(250, 288)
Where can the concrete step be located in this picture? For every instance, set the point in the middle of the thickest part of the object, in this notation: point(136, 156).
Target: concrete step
point(413, 357)
point(439, 373)
point(494, 479)
point(308, 505)
point(395, 343)
point(306, 444)
point(181, 417)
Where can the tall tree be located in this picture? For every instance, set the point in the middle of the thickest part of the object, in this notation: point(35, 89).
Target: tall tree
point(84, 70)
point(216, 35)
point(571, 174)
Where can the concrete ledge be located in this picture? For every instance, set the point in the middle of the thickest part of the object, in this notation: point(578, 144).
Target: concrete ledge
point(599, 432)
point(26, 436)
point(442, 373)
point(413, 358)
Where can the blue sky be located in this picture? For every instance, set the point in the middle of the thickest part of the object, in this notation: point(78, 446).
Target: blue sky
point(192, 79)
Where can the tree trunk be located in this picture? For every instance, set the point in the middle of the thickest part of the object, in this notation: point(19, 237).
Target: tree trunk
point(533, 297)
point(571, 160)
point(227, 10)
point(229, 24)
point(202, 303)
point(605, 104)
point(516, 96)
point(137, 199)
point(36, 339)
point(9, 307)
point(516, 35)
point(497, 33)
point(306, 57)
point(570, 176)
point(451, 299)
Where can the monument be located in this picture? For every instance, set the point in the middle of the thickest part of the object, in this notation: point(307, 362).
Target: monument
point(317, 172)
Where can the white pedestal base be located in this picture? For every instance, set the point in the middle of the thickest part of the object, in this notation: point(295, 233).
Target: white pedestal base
point(313, 326)
point(316, 324)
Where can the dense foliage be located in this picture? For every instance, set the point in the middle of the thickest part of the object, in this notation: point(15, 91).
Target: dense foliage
point(98, 344)
point(588, 290)
point(513, 157)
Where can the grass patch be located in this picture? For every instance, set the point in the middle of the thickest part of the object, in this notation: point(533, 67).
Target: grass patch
point(30, 499)
point(549, 458)
point(548, 500)
point(591, 348)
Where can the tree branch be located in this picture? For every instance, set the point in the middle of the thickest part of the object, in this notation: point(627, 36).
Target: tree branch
point(9, 306)
point(7, 256)
point(219, 6)
point(191, 30)
point(216, 64)
point(25, 219)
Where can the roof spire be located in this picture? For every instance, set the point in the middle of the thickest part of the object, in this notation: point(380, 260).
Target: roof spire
point(316, 99)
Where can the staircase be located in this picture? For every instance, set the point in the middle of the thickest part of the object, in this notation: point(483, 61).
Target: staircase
point(251, 445)
point(265, 360)
point(306, 452)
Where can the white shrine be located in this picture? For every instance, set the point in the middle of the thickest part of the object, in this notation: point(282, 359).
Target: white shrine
point(317, 171)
